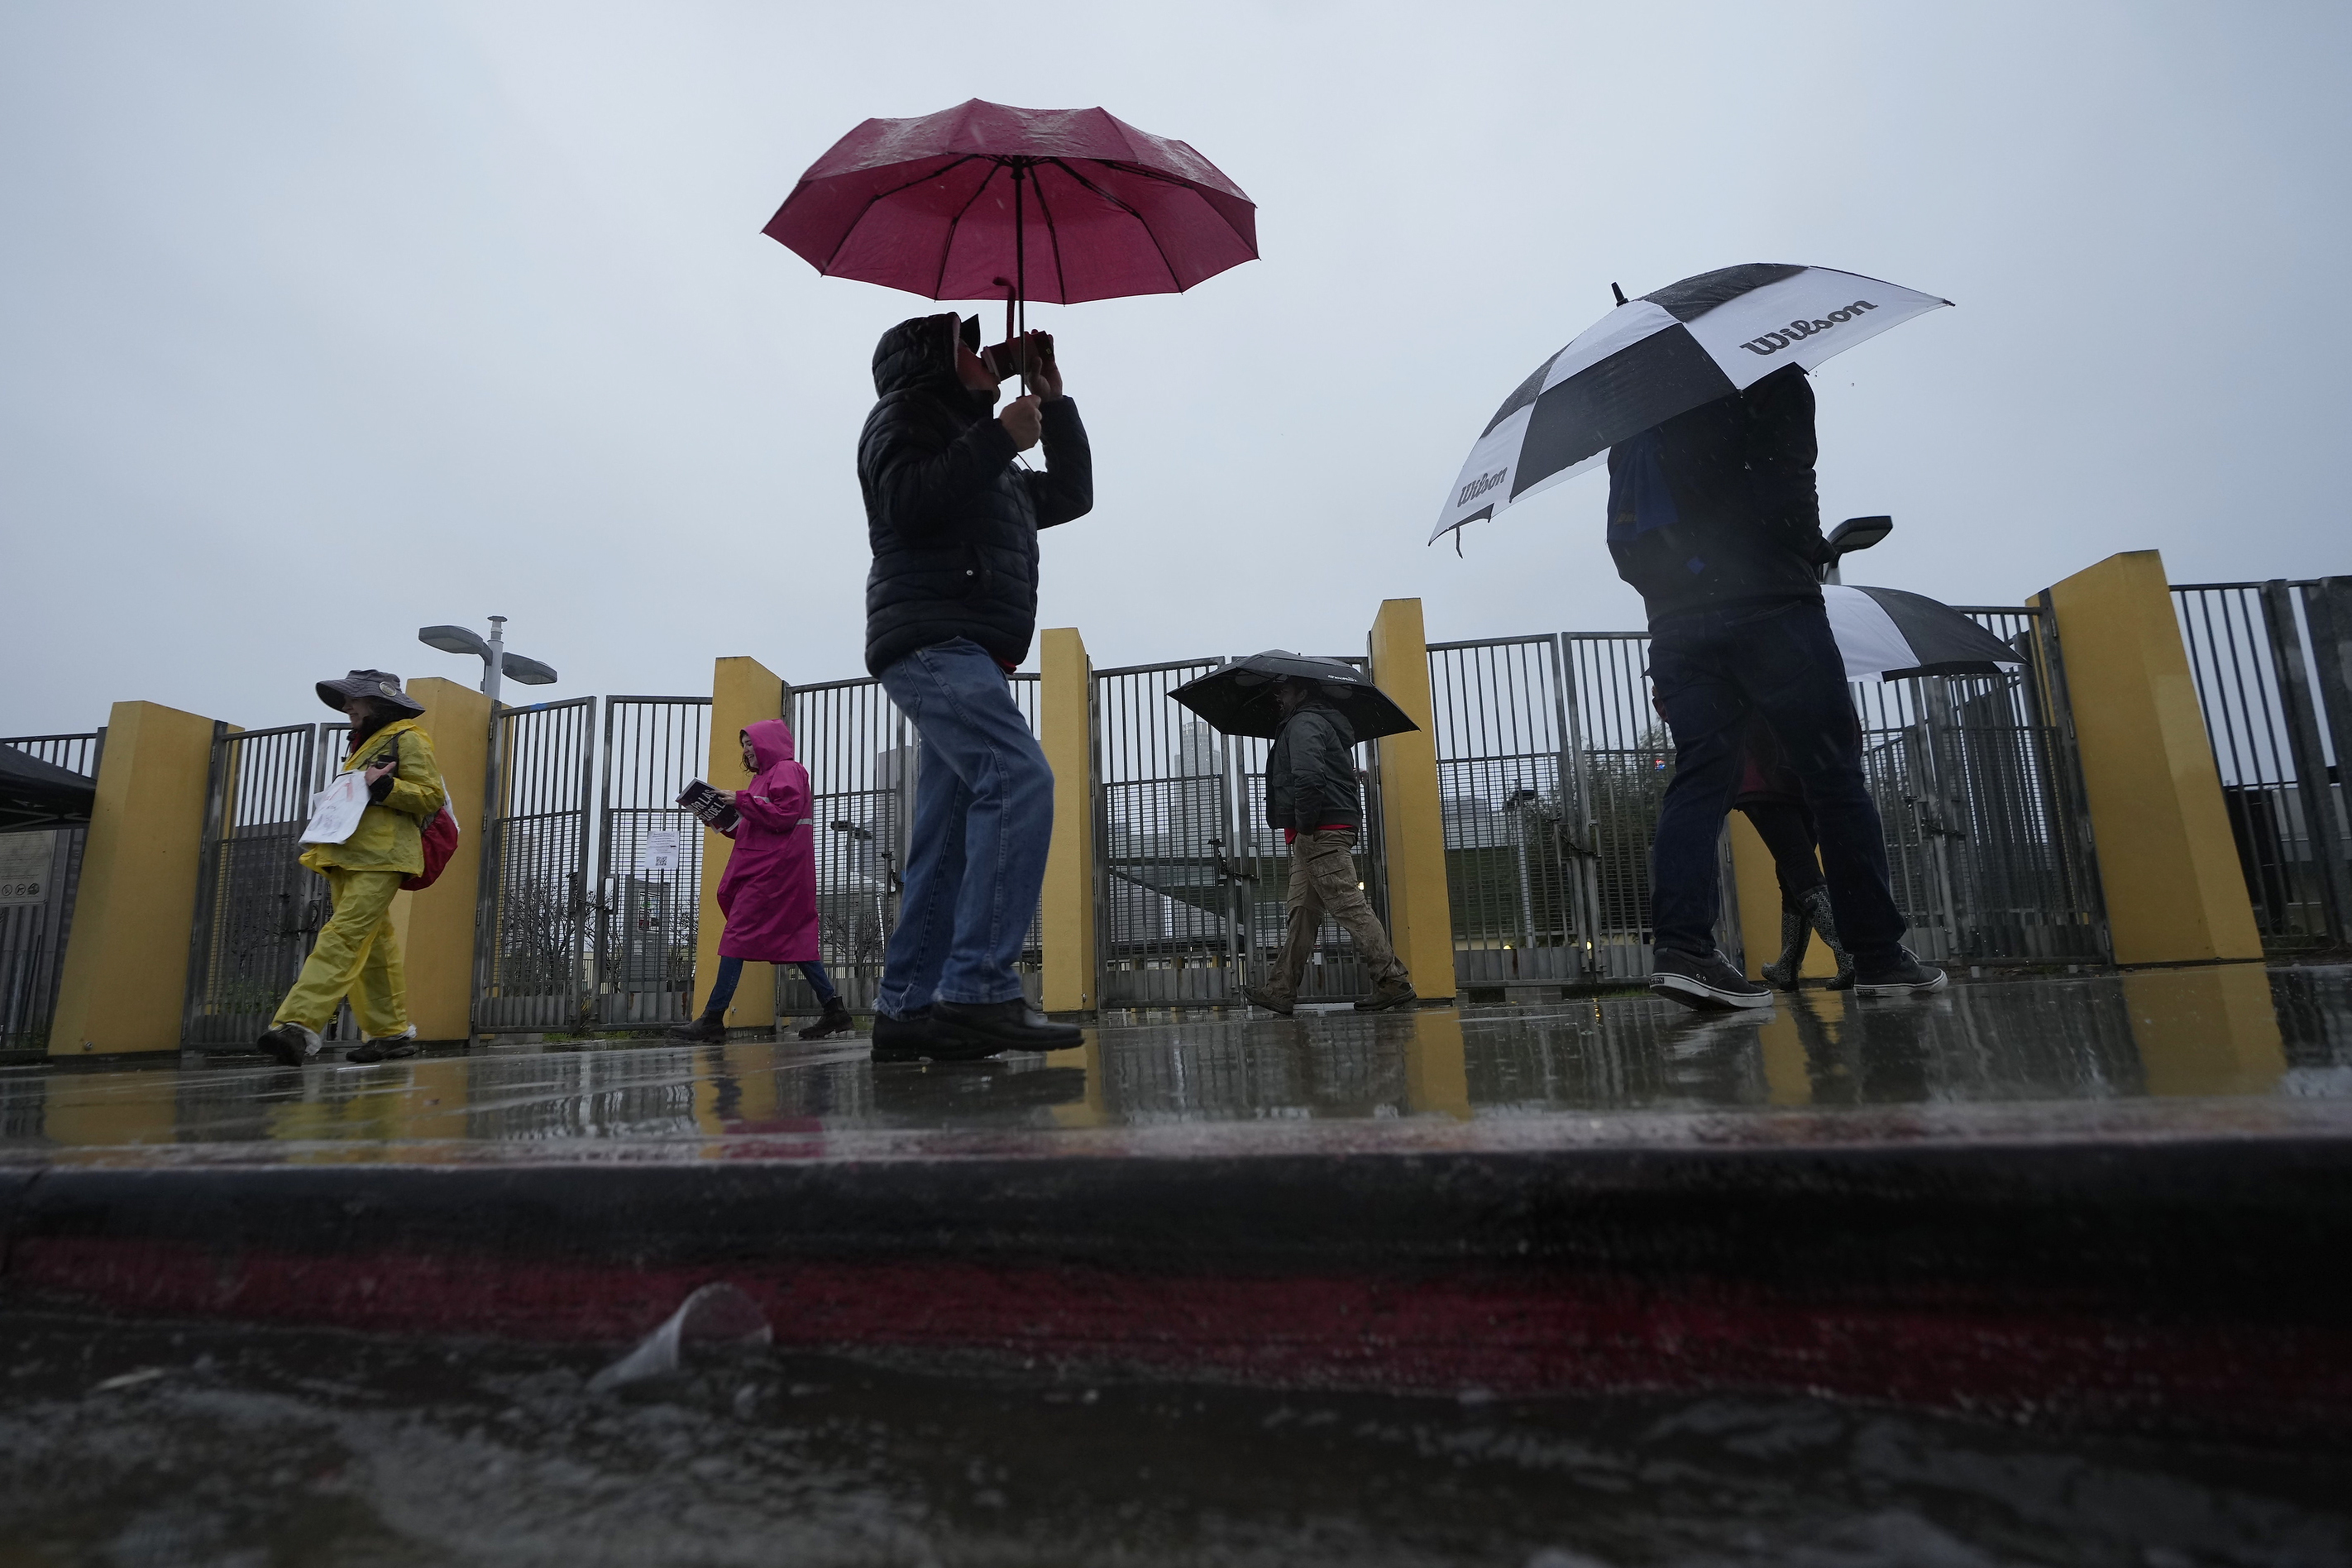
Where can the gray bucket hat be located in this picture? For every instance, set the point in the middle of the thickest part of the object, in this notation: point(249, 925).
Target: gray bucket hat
point(380, 684)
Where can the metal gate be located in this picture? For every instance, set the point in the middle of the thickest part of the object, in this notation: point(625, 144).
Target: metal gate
point(533, 955)
point(649, 860)
point(257, 910)
point(863, 758)
point(1621, 760)
point(1190, 883)
point(1553, 763)
point(2273, 666)
point(38, 882)
point(1970, 776)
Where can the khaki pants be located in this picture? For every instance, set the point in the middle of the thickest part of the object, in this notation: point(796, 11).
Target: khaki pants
point(1323, 877)
point(357, 956)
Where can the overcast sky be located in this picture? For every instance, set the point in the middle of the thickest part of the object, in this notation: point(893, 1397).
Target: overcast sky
point(321, 322)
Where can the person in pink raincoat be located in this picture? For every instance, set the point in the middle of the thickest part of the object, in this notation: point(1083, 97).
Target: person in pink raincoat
point(768, 894)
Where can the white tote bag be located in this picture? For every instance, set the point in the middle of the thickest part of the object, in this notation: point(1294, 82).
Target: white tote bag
point(336, 810)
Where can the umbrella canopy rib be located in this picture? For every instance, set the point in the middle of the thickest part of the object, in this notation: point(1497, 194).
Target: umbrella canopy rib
point(849, 230)
point(947, 243)
point(1122, 204)
point(1053, 238)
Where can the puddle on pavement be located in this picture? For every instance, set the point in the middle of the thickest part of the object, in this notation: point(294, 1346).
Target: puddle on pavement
point(143, 1444)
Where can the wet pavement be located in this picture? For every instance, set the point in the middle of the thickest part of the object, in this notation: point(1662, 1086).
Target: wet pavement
point(191, 1444)
point(2234, 1050)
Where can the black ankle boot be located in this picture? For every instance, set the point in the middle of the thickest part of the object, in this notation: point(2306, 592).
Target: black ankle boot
point(710, 1029)
point(836, 1021)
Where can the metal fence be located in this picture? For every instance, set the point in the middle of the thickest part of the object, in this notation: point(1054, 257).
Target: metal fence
point(2273, 667)
point(40, 872)
point(1553, 764)
point(648, 859)
point(1190, 882)
point(1972, 776)
point(1519, 871)
point(863, 757)
point(257, 910)
point(532, 956)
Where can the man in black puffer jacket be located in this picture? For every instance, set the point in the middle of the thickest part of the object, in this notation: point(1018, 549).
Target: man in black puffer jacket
point(1312, 796)
point(951, 607)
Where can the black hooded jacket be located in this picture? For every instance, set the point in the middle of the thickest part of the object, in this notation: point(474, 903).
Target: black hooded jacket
point(1717, 506)
point(952, 522)
point(1310, 774)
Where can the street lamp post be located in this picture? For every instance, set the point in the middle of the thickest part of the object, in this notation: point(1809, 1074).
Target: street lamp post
point(497, 662)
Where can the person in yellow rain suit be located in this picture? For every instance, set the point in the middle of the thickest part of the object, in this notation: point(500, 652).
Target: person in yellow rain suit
point(357, 954)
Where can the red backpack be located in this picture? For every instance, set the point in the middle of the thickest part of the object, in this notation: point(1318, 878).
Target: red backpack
point(439, 839)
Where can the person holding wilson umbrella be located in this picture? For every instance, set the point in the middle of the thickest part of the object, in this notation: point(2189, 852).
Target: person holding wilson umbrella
point(1696, 398)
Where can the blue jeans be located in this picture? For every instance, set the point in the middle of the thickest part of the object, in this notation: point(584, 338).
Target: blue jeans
point(1712, 669)
point(983, 821)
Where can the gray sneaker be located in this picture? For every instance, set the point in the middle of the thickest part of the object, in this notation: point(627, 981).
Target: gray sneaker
point(1904, 976)
point(1706, 982)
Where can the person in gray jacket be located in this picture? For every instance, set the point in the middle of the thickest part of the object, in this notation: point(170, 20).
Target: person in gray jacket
point(1311, 794)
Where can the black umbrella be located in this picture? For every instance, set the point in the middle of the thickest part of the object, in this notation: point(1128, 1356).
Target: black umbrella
point(1239, 699)
point(35, 795)
point(1888, 633)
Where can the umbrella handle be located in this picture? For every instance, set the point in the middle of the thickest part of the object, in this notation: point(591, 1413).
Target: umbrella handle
point(1020, 266)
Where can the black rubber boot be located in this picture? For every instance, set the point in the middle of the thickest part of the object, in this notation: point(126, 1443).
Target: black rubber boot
point(710, 1029)
point(1817, 909)
point(1796, 935)
point(836, 1021)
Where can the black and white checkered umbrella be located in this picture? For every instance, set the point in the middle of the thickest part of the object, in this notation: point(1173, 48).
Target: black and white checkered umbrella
point(1660, 355)
point(1887, 634)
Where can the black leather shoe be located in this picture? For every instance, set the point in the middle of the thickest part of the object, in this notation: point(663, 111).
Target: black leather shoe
point(1011, 1025)
point(919, 1036)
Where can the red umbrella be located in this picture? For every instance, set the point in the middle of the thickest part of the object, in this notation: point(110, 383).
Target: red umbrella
point(958, 204)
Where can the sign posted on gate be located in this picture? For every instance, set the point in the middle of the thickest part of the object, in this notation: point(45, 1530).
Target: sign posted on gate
point(660, 850)
point(25, 868)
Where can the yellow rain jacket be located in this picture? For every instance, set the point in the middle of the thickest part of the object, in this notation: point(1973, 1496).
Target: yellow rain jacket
point(389, 835)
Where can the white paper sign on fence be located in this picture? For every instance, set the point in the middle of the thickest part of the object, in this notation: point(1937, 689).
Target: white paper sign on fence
point(660, 850)
point(336, 810)
point(24, 861)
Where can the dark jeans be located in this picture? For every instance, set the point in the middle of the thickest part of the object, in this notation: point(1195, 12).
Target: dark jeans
point(1712, 669)
point(1786, 830)
point(983, 821)
point(730, 974)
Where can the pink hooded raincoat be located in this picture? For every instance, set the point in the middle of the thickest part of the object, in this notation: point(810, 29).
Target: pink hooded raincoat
point(768, 892)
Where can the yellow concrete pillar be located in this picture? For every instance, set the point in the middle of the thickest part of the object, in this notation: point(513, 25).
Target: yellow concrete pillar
point(126, 974)
point(1759, 907)
point(742, 690)
point(2175, 892)
point(1412, 824)
point(436, 927)
point(1066, 729)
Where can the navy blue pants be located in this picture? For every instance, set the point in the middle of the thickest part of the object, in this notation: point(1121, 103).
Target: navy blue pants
point(1712, 670)
point(730, 974)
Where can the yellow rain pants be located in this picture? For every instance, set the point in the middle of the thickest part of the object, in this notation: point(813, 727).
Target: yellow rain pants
point(357, 955)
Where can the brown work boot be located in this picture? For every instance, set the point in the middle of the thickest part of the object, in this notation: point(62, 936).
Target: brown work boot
point(1394, 992)
point(1272, 1000)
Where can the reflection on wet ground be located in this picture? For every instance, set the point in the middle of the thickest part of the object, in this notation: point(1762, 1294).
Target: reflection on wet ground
point(2235, 1033)
point(185, 1444)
